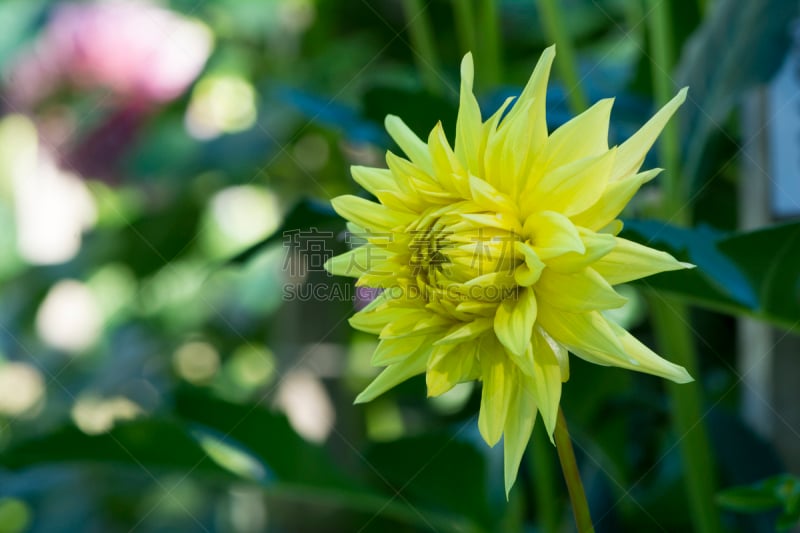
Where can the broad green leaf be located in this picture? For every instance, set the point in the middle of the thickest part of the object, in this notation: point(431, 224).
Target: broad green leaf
point(748, 499)
point(778, 492)
point(753, 273)
point(302, 471)
point(437, 470)
point(138, 444)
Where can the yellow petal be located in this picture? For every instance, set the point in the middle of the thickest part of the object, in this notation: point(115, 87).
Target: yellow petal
point(407, 140)
point(450, 365)
point(613, 201)
point(629, 261)
point(647, 361)
point(490, 198)
point(446, 167)
point(583, 334)
point(597, 246)
point(390, 191)
point(497, 389)
point(468, 124)
point(373, 320)
point(535, 93)
point(523, 132)
point(571, 188)
point(493, 141)
point(373, 179)
point(426, 188)
point(514, 156)
point(585, 290)
point(390, 351)
point(513, 323)
point(560, 352)
point(531, 269)
point(369, 215)
point(552, 235)
point(519, 426)
point(547, 380)
point(393, 375)
point(465, 332)
point(536, 88)
point(633, 151)
point(584, 136)
point(356, 261)
point(415, 323)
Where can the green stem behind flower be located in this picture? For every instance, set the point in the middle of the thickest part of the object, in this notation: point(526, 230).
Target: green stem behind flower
point(541, 471)
point(670, 319)
point(566, 455)
point(567, 64)
point(424, 49)
point(659, 24)
point(489, 56)
point(675, 339)
point(464, 13)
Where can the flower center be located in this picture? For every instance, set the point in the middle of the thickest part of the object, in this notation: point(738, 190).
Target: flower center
point(455, 257)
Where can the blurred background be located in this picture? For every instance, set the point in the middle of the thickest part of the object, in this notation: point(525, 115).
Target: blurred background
point(174, 358)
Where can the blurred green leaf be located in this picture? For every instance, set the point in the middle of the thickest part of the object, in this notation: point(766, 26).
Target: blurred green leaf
point(15, 516)
point(305, 214)
point(748, 499)
point(749, 273)
point(419, 109)
point(435, 469)
point(267, 435)
point(140, 444)
point(25, 14)
point(754, 35)
point(777, 492)
point(304, 472)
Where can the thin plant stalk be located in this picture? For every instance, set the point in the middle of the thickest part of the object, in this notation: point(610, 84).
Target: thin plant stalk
point(670, 318)
point(464, 14)
point(675, 339)
point(567, 64)
point(424, 48)
point(543, 475)
point(569, 466)
point(490, 54)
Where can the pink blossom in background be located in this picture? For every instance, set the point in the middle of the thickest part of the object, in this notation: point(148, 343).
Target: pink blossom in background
point(364, 296)
point(140, 51)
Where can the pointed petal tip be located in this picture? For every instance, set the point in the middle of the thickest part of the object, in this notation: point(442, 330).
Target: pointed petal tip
point(467, 72)
point(681, 376)
point(467, 62)
point(509, 484)
point(688, 266)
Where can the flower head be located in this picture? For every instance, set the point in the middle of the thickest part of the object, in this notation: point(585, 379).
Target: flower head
point(499, 255)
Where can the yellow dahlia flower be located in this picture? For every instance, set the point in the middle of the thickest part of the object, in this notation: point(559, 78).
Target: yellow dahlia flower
point(498, 256)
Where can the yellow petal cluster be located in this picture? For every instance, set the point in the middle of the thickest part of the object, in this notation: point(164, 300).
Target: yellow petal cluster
point(498, 256)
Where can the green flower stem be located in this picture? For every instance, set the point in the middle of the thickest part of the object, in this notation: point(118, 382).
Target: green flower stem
point(566, 455)
point(675, 340)
point(659, 24)
point(424, 49)
point(670, 318)
point(464, 12)
point(489, 57)
point(543, 476)
point(567, 65)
